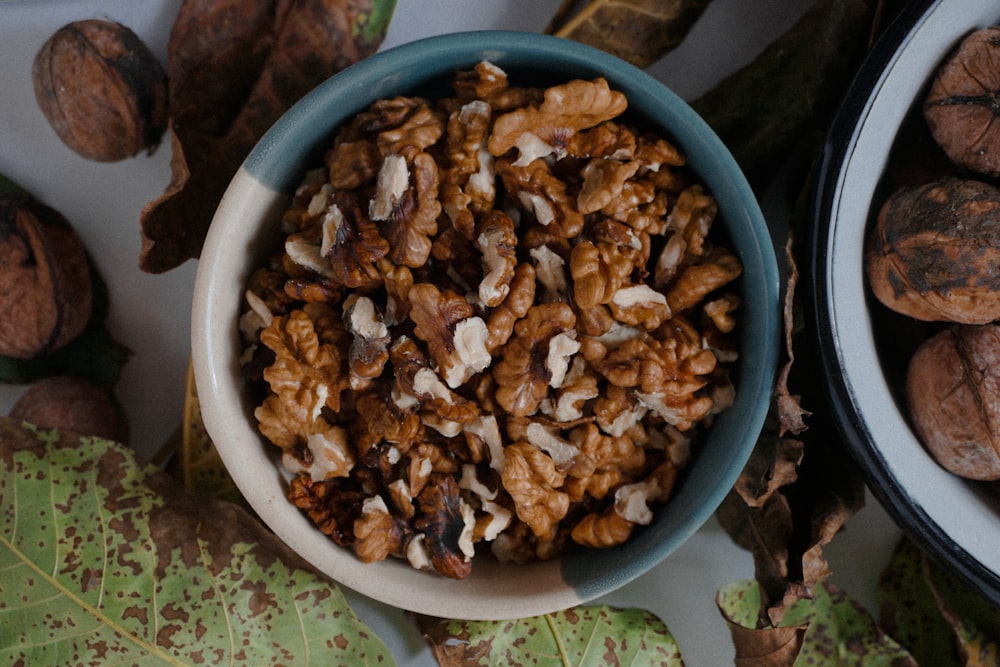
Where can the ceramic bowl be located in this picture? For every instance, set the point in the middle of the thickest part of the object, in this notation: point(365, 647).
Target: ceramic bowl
point(238, 237)
point(956, 520)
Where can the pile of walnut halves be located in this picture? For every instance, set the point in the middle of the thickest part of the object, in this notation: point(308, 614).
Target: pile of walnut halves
point(497, 321)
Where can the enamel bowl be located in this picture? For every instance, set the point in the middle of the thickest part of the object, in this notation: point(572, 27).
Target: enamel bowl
point(238, 237)
point(955, 520)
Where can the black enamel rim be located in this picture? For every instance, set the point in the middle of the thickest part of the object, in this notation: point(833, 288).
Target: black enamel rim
point(906, 512)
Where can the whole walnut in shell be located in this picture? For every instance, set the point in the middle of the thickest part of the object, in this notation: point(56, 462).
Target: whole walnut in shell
point(934, 251)
point(953, 394)
point(963, 104)
point(71, 403)
point(45, 289)
point(101, 89)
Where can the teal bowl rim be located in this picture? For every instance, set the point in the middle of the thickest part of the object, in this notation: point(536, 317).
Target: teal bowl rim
point(282, 155)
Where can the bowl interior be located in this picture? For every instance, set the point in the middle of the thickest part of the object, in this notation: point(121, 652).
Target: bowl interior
point(237, 240)
point(955, 519)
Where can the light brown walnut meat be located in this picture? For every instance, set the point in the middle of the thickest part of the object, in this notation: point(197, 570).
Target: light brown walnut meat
point(667, 373)
point(468, 187)
point(306, 376)
point(688, 223)
point(489, 83)
point(497, 240)
point(717, 269)
point(376, 532)
point(421, 129)
point(531, 479)
point(603, 530)
point(352, 164)
point(603, 182)
point(543, 195)
point(352, 243)
point(567, 109)
point(607, 140)
point(522, 375)
point(455, 336)
point(599, 270)
point(406, 207)
point(519, 300)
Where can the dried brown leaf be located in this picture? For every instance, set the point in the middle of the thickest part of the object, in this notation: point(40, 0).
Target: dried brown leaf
point(637, 31)
point(234, 68)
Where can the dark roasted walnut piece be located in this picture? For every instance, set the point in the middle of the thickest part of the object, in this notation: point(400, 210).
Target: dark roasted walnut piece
point(962, 107)
point(45, 289)
point(933, 252)
point(953, 392)
point(102, 90)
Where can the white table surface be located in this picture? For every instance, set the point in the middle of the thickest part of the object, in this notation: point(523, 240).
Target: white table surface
point(150, 313)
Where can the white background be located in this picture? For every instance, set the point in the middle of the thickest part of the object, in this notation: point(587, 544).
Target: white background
point(150, 313)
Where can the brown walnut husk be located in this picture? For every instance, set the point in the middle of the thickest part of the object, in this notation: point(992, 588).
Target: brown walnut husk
point(45, 288)
point(234, 68)
point(933, 253)
point(963, 106)
point(101, 89)
point(953, 394)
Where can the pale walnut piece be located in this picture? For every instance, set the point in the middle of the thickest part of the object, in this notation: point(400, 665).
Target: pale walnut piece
point(953, 396)
point(463, 352)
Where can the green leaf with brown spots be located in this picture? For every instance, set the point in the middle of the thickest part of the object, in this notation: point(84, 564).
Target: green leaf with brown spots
point(580, 636)
point(909, 612)
point(105, 562)
point(934, 614)
point(829, 629)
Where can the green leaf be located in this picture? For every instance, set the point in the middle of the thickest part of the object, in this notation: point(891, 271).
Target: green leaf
point(373, 25)
point(9, 188)
point(580, 636)
point(934, 614)
point(829, 629)
point(104, 562)
point(909, 612)
point(976, 622)
point(842, 632)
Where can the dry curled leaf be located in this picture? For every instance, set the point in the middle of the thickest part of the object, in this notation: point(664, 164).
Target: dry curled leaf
point(598, 635)
point(111, 563)
point(234, 68)
point(637, 31)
